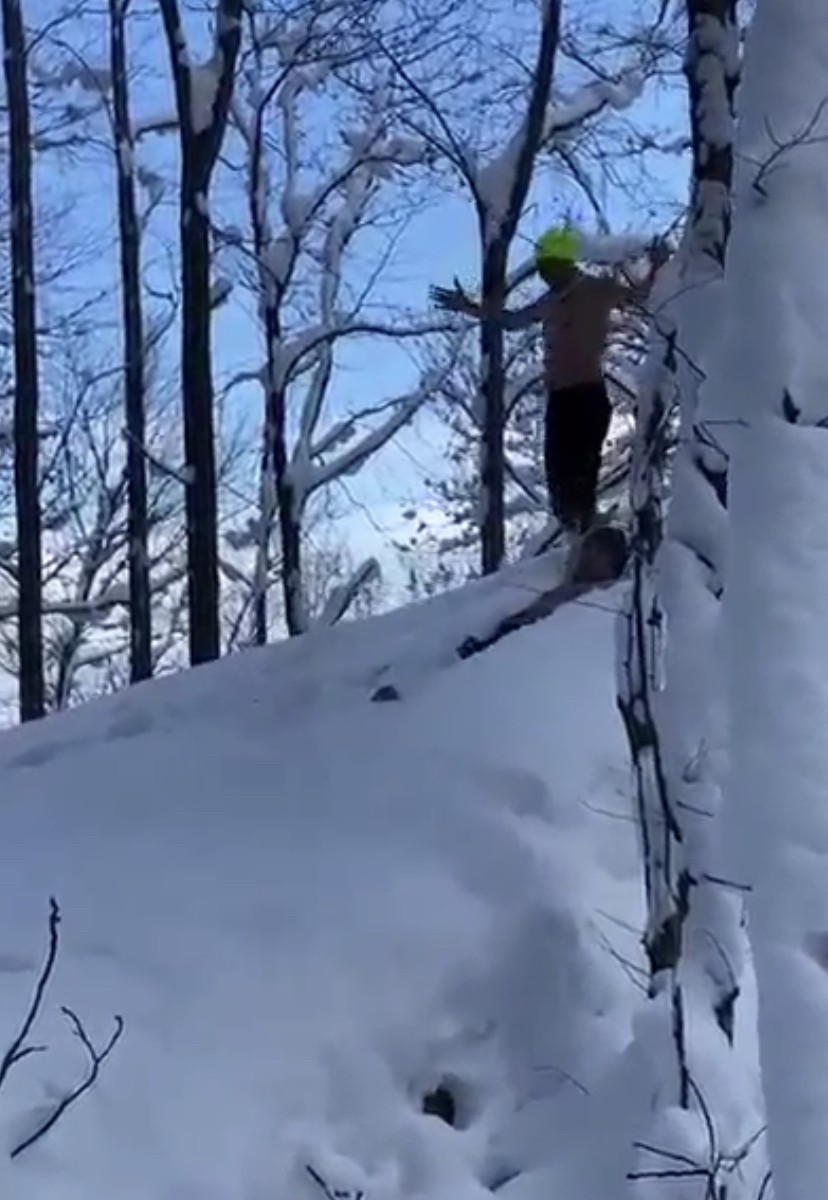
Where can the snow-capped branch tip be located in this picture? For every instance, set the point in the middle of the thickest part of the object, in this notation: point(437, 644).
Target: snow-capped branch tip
point(344, 594)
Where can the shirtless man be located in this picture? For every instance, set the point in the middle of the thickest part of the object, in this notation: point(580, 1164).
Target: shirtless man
point(575, 314)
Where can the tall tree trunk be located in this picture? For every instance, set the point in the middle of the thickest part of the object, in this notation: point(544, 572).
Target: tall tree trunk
point(140, 611)
point(773, 378)
point(498, 218)
point(26, 395)
point(199, 434)
point(692, 567)
point(201, 136)
point(694, 940)
point(278, 494)
point(493, 412)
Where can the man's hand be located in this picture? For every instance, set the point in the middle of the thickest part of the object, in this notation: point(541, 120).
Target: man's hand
point(455, 300)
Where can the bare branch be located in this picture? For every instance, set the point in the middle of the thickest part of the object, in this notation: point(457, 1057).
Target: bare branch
point(96, 1059)
point(17, 1050)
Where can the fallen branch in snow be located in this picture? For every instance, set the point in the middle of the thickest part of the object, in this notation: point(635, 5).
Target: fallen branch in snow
point(544, 606)
point(327, 1190)
point(17, 1050)
point(539, 610)
point(592, 560)
point(96, 1058)
point(20, 1048)
point(541, 607)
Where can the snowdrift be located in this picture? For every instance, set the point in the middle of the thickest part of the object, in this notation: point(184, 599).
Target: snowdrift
point(310, 910)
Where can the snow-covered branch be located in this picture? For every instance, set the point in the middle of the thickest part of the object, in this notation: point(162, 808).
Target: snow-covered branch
point(344, 595)
point(589, 101)
point(309, 477)
point(318, 337)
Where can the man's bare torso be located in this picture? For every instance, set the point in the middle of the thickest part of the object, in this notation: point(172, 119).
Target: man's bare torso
point(576, 328)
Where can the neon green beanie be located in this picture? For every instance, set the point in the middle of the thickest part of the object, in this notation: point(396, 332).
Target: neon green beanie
point(559, 244)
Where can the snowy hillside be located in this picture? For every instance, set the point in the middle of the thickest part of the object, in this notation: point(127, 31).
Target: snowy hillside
point(311, 910)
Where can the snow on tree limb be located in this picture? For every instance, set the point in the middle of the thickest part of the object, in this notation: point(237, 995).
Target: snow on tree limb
point(88, 609)
point(591, 100)
point(308, 477)
point(316, 338)
point(344, 594)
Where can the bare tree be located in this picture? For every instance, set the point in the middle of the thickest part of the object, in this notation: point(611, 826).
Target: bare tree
point(26, 402)
point(84, 504)
point(305, 217)
point(203, 93)
point(140, 610)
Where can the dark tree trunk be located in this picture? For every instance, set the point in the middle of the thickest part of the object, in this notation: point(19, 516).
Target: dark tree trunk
point(275, 471)
point(140, 610)
point(274, 468)
point(26, 397)
point(199, 151)
point(199, 436)
point(496, 238)
point(493, 395)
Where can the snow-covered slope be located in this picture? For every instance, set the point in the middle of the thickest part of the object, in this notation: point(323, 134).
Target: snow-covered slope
point(311, 909)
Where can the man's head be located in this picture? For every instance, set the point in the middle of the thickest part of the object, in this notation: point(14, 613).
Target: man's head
point(556, 254)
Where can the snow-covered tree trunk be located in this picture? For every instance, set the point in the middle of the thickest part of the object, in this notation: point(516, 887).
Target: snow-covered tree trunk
point(691, 566)
point(773, 377)
point(700, 915)
point(26, 393)
point(203, 93)
point(129, 238)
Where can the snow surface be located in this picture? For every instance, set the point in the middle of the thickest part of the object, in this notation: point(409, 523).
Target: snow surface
point(310, 909)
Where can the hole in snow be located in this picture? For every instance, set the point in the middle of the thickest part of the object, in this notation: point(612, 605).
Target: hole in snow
point(441, 1103)
point(453, 1101)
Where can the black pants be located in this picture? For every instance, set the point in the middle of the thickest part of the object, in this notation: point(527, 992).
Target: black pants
point(577, 421)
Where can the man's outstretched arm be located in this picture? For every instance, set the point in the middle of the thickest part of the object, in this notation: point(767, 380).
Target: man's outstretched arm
point(458, 301)
point(530, 314)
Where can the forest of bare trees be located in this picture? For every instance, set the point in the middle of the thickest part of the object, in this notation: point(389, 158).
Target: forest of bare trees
point(209, 214)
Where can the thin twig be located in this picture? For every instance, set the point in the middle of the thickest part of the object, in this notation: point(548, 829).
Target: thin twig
point(17, 1050)
point(96, 1058)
